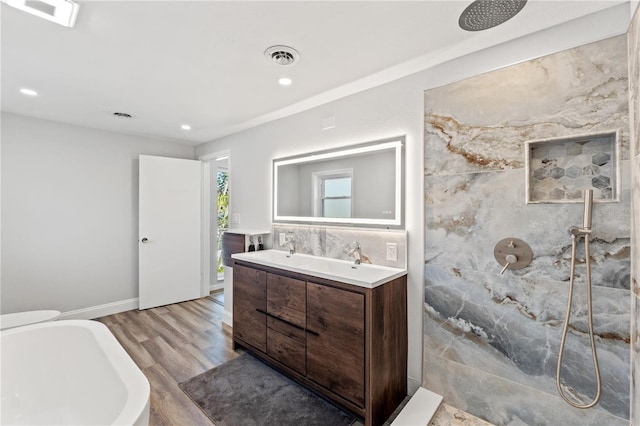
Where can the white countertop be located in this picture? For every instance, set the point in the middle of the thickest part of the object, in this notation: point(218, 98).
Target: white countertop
point(246, 231)
point(363, 275)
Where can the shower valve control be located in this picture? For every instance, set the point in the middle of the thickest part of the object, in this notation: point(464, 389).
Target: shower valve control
point(511, 259)
point(512, 253)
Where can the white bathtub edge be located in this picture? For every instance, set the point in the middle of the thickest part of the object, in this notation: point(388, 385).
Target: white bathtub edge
point(135, 410)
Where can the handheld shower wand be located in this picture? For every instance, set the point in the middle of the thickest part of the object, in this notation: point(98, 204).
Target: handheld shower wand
point(576, 233)
point(588, 206)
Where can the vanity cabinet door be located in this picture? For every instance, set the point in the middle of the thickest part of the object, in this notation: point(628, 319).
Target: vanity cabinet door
point(249, 306)
point(286, 299)
point(286, 312)
point(335, 340)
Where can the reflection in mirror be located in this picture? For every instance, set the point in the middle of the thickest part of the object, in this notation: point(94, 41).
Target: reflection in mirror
point(361, 184)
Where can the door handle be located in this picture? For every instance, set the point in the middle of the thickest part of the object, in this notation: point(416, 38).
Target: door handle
point(144, 240)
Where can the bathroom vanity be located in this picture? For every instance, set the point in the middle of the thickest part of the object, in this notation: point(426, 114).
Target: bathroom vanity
point(339, 329)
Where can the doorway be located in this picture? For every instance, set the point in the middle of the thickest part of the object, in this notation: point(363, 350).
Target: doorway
point(215, 217)
point(221, 212)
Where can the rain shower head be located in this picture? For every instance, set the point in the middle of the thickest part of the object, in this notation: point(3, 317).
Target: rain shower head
point(484, 14)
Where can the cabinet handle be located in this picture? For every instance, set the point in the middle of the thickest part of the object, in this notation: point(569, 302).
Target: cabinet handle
point(262, 311)
point(280, 319)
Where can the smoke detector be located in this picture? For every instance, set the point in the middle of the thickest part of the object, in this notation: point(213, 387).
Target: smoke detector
point(484, 14)
point(282, 55)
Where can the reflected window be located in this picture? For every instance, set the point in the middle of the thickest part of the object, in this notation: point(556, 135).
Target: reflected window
point(335, 193)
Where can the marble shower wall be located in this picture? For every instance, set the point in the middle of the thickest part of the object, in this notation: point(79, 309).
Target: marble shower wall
point(337, 242)
point(633, 37)
point(491, 341)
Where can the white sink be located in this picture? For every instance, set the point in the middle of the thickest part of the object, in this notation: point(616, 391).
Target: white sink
point(362, 275)
point(275, 258)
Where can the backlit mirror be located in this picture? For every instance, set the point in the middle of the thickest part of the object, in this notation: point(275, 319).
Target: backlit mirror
point(360, 184)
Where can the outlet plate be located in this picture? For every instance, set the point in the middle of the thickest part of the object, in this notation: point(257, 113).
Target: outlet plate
point(392, 252)
point(282, 238)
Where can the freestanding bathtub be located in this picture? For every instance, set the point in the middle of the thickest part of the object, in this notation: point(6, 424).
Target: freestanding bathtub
point(71, 372)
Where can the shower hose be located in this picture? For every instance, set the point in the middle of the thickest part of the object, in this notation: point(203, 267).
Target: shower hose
point(575, 235)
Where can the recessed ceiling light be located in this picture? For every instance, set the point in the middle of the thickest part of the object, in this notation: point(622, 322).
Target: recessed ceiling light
point(63, 12)
point(285, 81)
point(122, 115)
point(28, 92)
point(185, 127)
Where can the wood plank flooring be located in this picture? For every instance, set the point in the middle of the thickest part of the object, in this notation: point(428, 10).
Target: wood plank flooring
point(171, 344)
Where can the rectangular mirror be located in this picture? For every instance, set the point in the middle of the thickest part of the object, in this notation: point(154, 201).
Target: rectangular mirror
point(356, 185)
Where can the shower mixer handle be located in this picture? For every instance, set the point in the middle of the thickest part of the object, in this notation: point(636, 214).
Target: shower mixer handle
point(511, 259)
point(512, 253)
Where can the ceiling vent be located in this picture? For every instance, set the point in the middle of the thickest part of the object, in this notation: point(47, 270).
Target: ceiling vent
point(282, 55)
point(484, 14)
point(63, 12)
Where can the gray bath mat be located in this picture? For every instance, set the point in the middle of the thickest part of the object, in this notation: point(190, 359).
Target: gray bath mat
point(246, 392)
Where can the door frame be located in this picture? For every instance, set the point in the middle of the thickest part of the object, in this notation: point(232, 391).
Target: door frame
point(206, 160)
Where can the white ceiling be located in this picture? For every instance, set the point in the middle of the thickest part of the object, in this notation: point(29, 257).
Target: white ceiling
point(202, 63)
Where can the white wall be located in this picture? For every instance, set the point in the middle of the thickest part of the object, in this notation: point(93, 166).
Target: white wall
point(70, 214)
point(387, 111)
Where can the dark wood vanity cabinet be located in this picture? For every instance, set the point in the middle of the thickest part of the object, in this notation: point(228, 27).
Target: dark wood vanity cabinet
point(348, 343)
point(286, 321)
point(335, 340)
point(249, 306)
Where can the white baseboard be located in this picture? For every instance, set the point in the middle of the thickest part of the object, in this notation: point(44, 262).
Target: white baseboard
point(214, 287)
point(227, 318)
point(101, 310)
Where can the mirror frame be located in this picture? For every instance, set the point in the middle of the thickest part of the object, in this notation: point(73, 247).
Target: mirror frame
point(397, 144)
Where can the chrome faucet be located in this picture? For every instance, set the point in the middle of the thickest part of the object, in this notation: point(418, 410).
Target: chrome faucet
point(291, 244)
point(355, 252)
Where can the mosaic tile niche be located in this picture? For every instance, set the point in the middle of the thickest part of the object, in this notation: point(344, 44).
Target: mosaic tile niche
point(559, 170)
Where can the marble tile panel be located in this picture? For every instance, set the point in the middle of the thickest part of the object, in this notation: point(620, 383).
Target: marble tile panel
point(467, 214)
point(338, 243)
point(372, 243)
point(308, 239)
point(451, 416)
point(482, 123)
point(502, 401)
point(633, 42)
point(635, 362)
point(511, 327)
point(633, 36)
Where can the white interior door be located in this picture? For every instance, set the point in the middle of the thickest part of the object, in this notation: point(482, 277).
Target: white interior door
point(169, 230)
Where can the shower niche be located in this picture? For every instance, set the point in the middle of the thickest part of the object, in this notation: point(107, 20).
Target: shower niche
point(559, 170)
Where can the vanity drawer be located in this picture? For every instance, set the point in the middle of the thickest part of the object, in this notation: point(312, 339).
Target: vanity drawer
point(289, 351)
point(286, 299)
point(287, 330)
